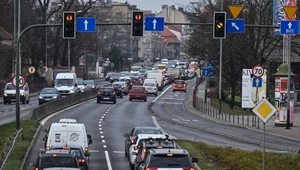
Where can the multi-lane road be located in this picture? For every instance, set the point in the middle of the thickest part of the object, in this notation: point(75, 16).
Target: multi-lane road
point(108, 122)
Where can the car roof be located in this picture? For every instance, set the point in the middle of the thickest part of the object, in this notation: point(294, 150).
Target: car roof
point(63, 145)
point(106, 88)
point(61, 168)
point(166, 151)
point(146, 127)
point(146, 136)
point(59, 152)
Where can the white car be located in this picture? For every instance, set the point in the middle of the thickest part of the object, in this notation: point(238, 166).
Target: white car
point(134, 148)
point(151, 87)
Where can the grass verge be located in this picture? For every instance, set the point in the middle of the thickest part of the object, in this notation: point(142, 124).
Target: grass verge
point(215, 158)
point(5, 132)
point(16, 158)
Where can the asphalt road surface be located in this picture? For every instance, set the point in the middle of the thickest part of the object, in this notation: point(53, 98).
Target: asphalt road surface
point(108, 122)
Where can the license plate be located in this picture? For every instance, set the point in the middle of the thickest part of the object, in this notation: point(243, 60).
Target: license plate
point(179, 85)
point(47, 99)
point(137, 96)
point(105, 98)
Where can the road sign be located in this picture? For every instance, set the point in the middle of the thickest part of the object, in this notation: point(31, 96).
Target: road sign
point(22, 81)
point(290, 11)
point(257, 82)
point(31, 70)
point(205, 72)
point(198, 71)
point(235, 25)
point(264, 110)
point(289, 27)
point(154, 24)
point(235, 10)
point(258, 71)
point(112, 64)
point(87, 24)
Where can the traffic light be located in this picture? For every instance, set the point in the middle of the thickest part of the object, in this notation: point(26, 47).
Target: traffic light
point(219, 25)
point(69, 25)
point(137, 24)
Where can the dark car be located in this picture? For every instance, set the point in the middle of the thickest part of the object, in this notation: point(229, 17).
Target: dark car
point(55, 159)
point(115, 77)
point(48, 94)
point(138, 92)
point(168, 159)
point(132, 136)
point(77, 151)
point(107, 77)
point(90, 84)
point(145, 145)
point(118, 89)
point(106, 94)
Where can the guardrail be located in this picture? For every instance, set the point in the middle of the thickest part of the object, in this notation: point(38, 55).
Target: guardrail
point(9, 147)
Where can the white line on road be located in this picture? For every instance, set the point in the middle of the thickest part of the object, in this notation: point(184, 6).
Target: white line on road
point(162, 93)
point(103, 141)
point(101, 132)
point(169, 103)
point(100, 125)
point(104, 114)
point(119, 152)
point(169, 98)
point(158, 126)
point(108, 160)
point(93, 151)
point(102, 136)
point(100, 128)
point(101, 119)
point(104, 146)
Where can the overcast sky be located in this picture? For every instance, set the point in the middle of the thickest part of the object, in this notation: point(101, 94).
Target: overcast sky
point(155, 5)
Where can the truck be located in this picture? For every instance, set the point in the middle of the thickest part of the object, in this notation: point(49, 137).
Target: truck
point(66, 83)
point(158, 76)
point(162, 67)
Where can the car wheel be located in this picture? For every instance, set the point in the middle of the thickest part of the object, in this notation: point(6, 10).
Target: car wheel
point(23, 101)
point(98, 101)
point(121, 96)
point(173, 91)
point(185, 91)
point(115, 101)
point(145, 100)
point(130, 99)
point(27, 102)
point(4, 102)
point(40, 103)
point(131, 167)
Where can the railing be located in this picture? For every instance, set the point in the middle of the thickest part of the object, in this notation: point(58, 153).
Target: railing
point(211, 108)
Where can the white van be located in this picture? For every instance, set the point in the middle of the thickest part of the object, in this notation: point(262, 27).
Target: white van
point(66, 83)
point(66, 133)
point(10, 94)
point(135, 69)
point(151, 86)
point(159, 77)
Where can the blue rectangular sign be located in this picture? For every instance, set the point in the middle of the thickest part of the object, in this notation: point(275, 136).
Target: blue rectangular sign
point(205, 72)
point(235, 25)
point(256, 82)
point(154, 24)
point(289, 27)
point(86, 24)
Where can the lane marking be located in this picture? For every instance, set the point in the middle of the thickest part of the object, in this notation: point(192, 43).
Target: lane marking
point(168, 103)
point(119, 152)
point(158, 126)
point(100, 125)
point(94, 151)
point(104, 146)
point(100, 128)
point(102, 117)
point(162, 93)
point(108, 160)
point(103, 141)
point(102, 136)
point(169, 98)
point(104, 114)
point(101, 132)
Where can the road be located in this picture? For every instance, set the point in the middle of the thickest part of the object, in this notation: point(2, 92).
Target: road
point(108, 122)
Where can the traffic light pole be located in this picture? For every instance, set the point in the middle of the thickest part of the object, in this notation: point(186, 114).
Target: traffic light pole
point(220, 70)
point(18, 64)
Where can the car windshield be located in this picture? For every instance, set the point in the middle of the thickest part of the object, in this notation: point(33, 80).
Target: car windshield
point(135, 68)
point(179, 82)
point(58, 161)
point(174, 161)
point(106, 90)
point(161, 67)
point(142, 71)
point(148, 131)
point(79, 82)
point(138, 89)
point(116, 75)
point(89, 82)
point(48, 91)
point(149, 84)
point(9, 87)
point(64, 82)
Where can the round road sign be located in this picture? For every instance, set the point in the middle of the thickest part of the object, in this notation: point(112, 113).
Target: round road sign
point(46, 69)
point(31, 70)
point(258, 71)
point(22, 81)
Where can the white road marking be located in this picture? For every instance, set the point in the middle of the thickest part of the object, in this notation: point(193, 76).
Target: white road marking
point(104, 114)
point(162, 93)
point(102, 136)
point(104, 146)
point(101, 132)
point(169, 98)
point(169, 103)
point(158, 126)
point(6, 110)
point(100, 125)
point(0, 112)
point(119, 152)
point(42, 149)
point(93, 151)
point(100, 128)
point(195, 120)
point(108, 160)
point(102, 117)
point(103, 141)
point(54, 114)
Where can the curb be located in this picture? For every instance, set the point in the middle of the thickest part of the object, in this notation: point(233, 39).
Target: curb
point(22, 166)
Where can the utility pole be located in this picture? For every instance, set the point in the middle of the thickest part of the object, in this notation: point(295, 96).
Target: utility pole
point(220, 71)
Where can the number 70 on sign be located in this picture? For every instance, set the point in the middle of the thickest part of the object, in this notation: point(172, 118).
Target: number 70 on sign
point(257, 71)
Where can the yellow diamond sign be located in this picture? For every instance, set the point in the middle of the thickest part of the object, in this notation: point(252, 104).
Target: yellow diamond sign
point(198, 71)
point(264, 110)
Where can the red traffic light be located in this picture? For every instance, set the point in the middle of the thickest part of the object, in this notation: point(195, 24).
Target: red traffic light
point(138, 17)
point(69, 17)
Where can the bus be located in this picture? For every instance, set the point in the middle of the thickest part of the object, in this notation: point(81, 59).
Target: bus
point(162, 67)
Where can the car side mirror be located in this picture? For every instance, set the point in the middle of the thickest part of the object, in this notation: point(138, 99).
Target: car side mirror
point(87, 154)
point(89, 136)
point(90, 141)
point(195, 160)
point(134, 153)
point(138, 159)
point(45, 130)
point(75, 85)
point(32, 164)
point(126, 135)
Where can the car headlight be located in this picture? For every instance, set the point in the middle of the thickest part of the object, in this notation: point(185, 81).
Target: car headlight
point(5, 95)
point(54, 97)
point(41, 97)
point(22, 94)
point(72, 91)
point(93, 86)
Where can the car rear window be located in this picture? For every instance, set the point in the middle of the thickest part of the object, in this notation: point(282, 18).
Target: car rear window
point(148, 131)
point(106, 90)
point(58, 161)
point(75, 151)
point(174, 161)
point(149, 84)
point(179, 82)
point(138, 89)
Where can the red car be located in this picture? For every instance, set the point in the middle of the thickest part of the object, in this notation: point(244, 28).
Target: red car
point(138, 92)
point(179, 85)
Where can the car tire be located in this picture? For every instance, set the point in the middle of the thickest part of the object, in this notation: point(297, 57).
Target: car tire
point(185, 91)
point(131, 166)
point(145, 100)
point(121, 96)
point(98, 101)
point(4, 102)
point(115, 101)
point(130, 99)
point(155, 94)
point(27, 102)
point(173, 91)
point(24, 101)
point(40, 103)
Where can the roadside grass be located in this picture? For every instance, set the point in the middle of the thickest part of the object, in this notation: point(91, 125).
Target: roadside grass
point(215, 158)
point(16, 158)
point(237, 110)
point(5, 132)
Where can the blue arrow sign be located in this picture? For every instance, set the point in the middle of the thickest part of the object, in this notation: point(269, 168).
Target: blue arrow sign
point(205, 72)
point(256, 82)
point(235, 25)
point(86, 24)
point(154, 24)
point(289, 27)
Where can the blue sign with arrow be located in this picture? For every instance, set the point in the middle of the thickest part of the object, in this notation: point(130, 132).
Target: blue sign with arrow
point(235, 25)
point(289, 27)
point(256, 82)
point(155, 24)
point(86, 24)
point(207, 71)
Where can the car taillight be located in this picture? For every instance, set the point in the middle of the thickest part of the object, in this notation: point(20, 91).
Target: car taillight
point(184, 85)
point(136, 148)
point(81, 160)
point(36, 168)
point(86, 149)
point(113, 94)
point(174, 85)
point(99, 93)
point(48, 148)
point(132, 141)
point(151, 169)
point(188, 168)
point(119, 88)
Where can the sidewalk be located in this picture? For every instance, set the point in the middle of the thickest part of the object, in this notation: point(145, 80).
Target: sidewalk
point(294, 132)
point(31, 95)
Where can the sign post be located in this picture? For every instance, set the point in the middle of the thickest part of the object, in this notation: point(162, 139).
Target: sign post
point(264, 110)
point(31, 70)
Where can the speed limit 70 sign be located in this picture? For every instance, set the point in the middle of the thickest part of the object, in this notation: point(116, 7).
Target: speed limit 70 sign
point(22, 81)
point(258, 71)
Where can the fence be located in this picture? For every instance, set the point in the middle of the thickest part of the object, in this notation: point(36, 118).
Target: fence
point(212, 108)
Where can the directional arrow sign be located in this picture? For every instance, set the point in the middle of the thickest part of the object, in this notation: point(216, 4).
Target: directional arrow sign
point(87, 24)
point(154, 24)
point(257, 82)
point(235, 25)
point(289, 27)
